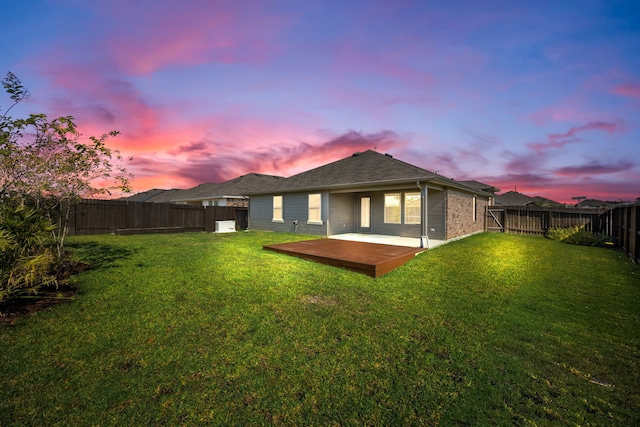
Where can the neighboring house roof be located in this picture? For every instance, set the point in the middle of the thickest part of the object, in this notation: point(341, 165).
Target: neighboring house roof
point(166, 197)
point(148, 196)
point(366, 169)
point(234, 188)
point(594, 203)
point(481, 186)
point(544, 202)
point(513, 198)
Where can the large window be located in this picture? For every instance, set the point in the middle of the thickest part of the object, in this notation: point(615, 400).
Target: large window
point(392, 208)
point(412, 208)
point(277, 209)
point(315, 209)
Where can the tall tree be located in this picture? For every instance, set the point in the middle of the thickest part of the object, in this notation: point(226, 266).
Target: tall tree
point(47, 163)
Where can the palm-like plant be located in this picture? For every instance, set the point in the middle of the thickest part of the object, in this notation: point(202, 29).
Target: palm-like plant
point(25, 260)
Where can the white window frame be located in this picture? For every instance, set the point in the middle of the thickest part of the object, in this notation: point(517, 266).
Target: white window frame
point(475, 209)
point(412, 219)
point(314, 209)
point(278, 209)
point(387, 220)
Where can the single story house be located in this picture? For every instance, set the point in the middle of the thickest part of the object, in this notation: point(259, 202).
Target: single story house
point(374, 193)
point(228, 193)
point(513, 198)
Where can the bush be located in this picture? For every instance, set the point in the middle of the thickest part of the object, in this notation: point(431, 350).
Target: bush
point(587, 238)
point(557, 233)
point(577, 236)
point(25, 260)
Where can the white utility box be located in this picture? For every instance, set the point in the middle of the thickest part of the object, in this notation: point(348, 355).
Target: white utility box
point(225, 226)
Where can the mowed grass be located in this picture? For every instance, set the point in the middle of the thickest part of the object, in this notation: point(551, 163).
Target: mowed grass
point(200, 329)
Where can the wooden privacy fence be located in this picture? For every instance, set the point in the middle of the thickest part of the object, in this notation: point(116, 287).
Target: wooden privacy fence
point(626, 220)
point(536, 220)
point(127, 217)
point(622, 222)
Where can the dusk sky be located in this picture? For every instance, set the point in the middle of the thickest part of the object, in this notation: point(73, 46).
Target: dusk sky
point(538, 96)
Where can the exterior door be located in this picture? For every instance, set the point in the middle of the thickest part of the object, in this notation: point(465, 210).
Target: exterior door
point(365, 214)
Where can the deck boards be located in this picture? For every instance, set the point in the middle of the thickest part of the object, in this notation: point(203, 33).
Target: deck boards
point(372, 259)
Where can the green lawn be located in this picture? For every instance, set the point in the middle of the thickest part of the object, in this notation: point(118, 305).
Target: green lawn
point(211, 329)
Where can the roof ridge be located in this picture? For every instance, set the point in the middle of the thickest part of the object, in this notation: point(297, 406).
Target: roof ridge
point(410, 166)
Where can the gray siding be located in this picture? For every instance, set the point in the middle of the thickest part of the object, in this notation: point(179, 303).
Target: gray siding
point(343, 217)
point(436, 214)
point(344, 214)
point(261, 215)
point(295, 208)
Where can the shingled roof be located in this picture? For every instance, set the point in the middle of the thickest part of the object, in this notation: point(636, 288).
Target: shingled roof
point(156, 195)
point(237, 187)
point(365, 169)
point(145, 195)
point(513, 198)
point(481, 186)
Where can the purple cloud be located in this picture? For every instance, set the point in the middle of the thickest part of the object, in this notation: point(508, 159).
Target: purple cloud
point(594, 168)
point(559, 140)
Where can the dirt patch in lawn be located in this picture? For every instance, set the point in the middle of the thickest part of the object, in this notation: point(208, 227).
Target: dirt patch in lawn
point(318, 300)
point(45, 298)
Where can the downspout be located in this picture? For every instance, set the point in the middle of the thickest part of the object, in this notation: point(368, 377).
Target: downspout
point(424, 238)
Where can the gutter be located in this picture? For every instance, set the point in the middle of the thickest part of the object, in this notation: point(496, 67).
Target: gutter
point(434, 179)
point(424, 238)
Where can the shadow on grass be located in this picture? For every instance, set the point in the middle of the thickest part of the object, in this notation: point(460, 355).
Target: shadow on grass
point(99, 255)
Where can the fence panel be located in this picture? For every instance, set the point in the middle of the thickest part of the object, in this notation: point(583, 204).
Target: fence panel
point(621, 222)
point(495, 219)
point(625, 223)
point(224, 213)
point(536, 221)
point(189, 217)
point(109, 216)
point(98, 216)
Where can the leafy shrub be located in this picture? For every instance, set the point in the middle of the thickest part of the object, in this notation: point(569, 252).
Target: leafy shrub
point(25, 260)
point(578, 236)
point(557, 233)
point(587, 238)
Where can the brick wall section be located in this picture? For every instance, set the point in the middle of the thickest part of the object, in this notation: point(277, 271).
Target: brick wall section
point(460, 214)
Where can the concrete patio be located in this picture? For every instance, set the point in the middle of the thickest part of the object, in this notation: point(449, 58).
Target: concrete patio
point(410, 242)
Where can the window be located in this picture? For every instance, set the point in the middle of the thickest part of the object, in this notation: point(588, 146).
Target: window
point(315, 211)
point(412, 208)
point(392, 208)
point(277, 209)
point(475, 206)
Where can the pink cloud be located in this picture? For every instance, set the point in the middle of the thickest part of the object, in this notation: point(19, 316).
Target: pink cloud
point(283, 160)
point(101, 104)
point(165, 34)
point(627, 90)
point(191, 147)
point(575, 108)
point(563, 190)
point(214, 160)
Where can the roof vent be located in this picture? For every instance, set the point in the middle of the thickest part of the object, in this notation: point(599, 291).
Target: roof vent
point(388, 155)
point(357, 153)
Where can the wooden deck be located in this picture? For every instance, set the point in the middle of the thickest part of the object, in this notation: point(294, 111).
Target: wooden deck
point(372, 259)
